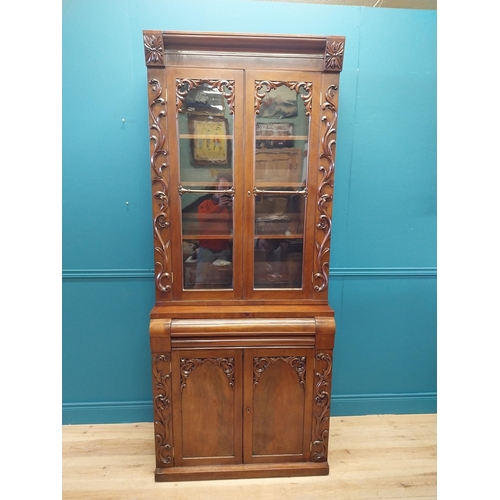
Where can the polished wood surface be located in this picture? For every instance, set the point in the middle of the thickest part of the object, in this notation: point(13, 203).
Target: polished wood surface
point(241, 333)
point(371, 457)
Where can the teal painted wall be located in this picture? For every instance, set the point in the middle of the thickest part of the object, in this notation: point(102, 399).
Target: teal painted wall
point(383, 262)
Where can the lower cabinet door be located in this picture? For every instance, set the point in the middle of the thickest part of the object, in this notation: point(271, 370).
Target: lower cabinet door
point(277, 406)
point(233, 406)
point(207, 406)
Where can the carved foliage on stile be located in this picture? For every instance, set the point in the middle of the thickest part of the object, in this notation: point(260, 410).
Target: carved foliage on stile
point(296, 362)
point(334, 55)
point(325, 189)
point(162, 407)
point(185, 85)
point(262, 87)
point(159, 169)
point(321, 412)
point(189, 364)
point(153, 49)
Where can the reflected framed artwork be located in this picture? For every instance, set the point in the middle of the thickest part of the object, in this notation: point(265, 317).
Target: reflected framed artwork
point(210, 141)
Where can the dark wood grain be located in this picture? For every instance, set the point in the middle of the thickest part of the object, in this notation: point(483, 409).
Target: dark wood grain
point(242, 373)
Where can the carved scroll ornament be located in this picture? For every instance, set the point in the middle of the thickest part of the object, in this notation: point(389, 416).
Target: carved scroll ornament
point(325, 189)
point(162, 409)
point(159, 167)
point(321, 412)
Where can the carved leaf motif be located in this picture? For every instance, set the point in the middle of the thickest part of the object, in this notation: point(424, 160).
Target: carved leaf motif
point(153, 48)
point(334, 55)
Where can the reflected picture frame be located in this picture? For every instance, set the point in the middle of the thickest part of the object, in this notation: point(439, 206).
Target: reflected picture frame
point(204, 101)
point(210, 141)
point(278, 133)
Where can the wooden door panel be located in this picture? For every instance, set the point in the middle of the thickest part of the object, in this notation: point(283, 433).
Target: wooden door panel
point(207, 406)
point(277, 428)
point(278, 389)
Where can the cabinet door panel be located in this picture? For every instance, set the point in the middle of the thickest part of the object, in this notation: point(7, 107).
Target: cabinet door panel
point(206, 114)
point(278, 388)
point(283, 110)
point(207, 406)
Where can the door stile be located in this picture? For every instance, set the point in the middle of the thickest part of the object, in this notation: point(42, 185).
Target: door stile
point(173, 160)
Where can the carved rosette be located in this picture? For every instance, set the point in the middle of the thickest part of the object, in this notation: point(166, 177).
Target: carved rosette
point(189, 364)
point(334, 55)
point(321, 411)
point(298, 363)
point(185, 85)
point(325, 189)
point(153, 49)
point(159, 173)
point(262, 87)
point(162, 408)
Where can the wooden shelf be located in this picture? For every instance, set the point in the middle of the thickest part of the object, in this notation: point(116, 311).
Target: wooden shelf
point(281, 138)
point(205, 136)
point(279, 236)
point(207, 237)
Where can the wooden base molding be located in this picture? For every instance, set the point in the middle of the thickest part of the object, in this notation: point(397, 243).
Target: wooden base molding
point(241, 471)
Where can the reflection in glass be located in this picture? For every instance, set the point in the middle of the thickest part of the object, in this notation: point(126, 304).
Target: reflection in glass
point(278, 252)
point(281, 138)
point(206, 174)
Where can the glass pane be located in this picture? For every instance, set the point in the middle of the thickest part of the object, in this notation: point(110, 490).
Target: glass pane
point(278, 252)
point(281, 138)
point(206, 174)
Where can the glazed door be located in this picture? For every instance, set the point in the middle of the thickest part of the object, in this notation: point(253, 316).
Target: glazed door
point(207, 402)
point(205, 117)
point(277, 404)
point(282, 110)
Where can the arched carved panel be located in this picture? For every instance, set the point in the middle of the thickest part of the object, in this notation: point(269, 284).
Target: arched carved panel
point(298, 363)
point(185, 85)
point(263, 87)
point(189, 364)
